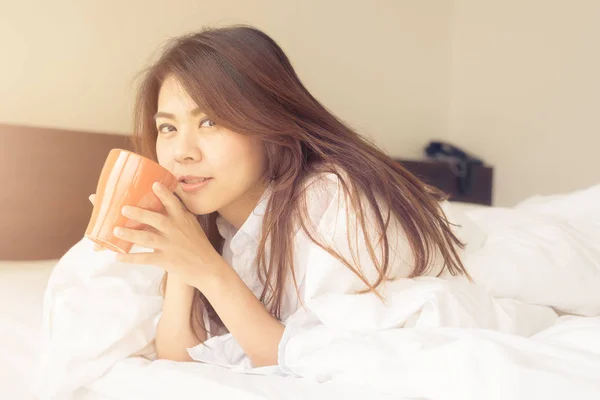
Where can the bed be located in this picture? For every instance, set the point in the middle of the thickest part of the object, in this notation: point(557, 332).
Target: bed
point(45, 213)
point(48, 175)
point(22, 285)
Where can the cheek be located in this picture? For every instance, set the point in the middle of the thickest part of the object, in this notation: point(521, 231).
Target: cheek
point(241, 156)
point(164, 156)
point(251, 162)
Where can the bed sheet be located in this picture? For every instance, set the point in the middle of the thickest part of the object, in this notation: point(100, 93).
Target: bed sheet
point(563, 357)
point(22, 285)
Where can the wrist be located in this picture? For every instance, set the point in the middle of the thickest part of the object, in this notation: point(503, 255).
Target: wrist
point(215, 281)
point(177, 284)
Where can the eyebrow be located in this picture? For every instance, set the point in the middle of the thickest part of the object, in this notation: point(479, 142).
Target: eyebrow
point(162, 114)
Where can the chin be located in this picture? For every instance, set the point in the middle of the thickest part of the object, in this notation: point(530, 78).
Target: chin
point(198, 209)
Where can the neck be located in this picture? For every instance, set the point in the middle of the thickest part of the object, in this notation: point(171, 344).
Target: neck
point(237, 213)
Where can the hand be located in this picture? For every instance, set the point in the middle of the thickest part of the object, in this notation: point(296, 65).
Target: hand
point(97, 246)
point(179, 242)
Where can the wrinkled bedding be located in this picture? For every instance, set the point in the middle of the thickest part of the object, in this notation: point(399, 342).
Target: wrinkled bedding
point(528, 328)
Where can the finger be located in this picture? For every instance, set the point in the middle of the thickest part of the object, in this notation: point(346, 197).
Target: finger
point(142, 238)
point(152, 219)
point(138, 258)
point(98, 247)
point(169, 200)
point(92, 198)
point(151, 229)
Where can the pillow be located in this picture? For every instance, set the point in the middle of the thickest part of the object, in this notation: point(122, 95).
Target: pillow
point(544, 251)
point(464, 227)
point(575, 206)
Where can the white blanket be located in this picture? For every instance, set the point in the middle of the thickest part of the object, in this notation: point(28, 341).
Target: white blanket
point(22, 285)
point(434, 339)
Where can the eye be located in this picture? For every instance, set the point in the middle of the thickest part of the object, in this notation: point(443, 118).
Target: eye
point(166, 128)
point(207, 123)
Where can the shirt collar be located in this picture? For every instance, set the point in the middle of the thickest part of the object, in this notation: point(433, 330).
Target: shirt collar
point(250, 232)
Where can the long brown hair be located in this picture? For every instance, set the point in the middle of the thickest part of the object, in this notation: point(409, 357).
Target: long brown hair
point(243, 81)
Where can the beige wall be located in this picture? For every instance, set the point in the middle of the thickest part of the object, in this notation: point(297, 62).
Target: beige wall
point(526, 92)
point(515, 82)
point(380, 65)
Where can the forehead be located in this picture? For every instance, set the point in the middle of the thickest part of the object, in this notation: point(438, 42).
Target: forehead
point(172, 95)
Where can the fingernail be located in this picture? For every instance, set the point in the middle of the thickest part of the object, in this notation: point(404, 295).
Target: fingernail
point(126, 211)
point(157, 186)
point(117, 231)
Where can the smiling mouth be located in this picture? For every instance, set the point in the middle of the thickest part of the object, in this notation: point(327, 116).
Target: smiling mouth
point(193, 180)
point(193, 184)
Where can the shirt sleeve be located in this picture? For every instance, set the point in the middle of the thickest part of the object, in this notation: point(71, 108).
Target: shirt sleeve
point(339, 230)
point(335, 299)
point(220, 348)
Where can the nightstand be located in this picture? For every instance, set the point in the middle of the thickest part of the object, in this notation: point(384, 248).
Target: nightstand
point(440, 174)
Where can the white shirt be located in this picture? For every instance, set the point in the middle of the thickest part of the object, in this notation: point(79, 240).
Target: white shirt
point(318, 273)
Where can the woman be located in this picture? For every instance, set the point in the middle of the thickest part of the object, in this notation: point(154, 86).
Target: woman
point(279, 202)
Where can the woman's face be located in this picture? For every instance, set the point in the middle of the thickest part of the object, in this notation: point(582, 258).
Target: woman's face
point(230, 166)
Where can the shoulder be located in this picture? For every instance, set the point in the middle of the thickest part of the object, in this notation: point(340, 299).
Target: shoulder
point(321, 185)
point(336, 190)
point(318, 197)
point(323, 190)
point(331, 203)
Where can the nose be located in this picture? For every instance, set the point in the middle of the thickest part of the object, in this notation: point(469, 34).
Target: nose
point(187, 149)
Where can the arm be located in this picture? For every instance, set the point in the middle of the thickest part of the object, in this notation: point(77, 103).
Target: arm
point(185, 252)
point(254, 328)
point(173, 334)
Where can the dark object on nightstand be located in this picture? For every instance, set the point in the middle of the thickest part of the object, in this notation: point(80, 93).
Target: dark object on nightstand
point(443, 175)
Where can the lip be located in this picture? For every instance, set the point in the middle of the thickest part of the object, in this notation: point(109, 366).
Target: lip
point(192, 187)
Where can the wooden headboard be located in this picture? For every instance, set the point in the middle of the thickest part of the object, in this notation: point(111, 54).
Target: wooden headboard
point(46, 177)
